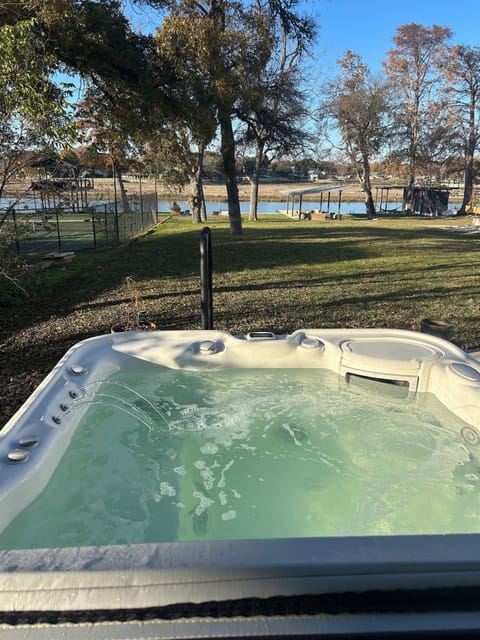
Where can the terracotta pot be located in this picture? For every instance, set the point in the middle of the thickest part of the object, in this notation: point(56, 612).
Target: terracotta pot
point(439, 328)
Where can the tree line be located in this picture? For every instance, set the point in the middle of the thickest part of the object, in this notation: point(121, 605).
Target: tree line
point(423, 108)
point(227, 75)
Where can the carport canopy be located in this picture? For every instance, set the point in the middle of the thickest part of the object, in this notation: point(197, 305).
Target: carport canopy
point(292, 194)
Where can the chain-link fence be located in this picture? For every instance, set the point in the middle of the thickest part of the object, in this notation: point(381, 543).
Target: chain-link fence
point(61, 229)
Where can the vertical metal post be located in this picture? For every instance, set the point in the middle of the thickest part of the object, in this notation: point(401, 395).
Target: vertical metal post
point(15, 227)
point(141, 201)
point(59, 237)
point(156, 196)
point(115, 204)
point(92, 213)
point(105, 221)
point(206, 278)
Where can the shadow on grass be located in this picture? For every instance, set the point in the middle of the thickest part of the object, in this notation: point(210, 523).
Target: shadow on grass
point(94, 280)
point(282, 276)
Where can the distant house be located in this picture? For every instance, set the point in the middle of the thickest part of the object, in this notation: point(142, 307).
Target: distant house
point(314, 175)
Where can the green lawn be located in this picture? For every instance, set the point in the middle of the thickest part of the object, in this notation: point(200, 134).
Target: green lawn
point(282, 275)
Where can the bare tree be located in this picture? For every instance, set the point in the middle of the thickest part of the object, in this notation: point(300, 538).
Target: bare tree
point(272, 105)
point(412, 68)
point(461, 70)
point(357, 103)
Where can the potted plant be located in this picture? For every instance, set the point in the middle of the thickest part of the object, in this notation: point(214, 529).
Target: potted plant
point(133, 320)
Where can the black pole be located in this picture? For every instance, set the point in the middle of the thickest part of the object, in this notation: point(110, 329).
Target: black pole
point(59, 237)
point(156, 197)
point(92, 213)
point(115, 204)
point(141, 202)
point(206, 278)
point(15, 227)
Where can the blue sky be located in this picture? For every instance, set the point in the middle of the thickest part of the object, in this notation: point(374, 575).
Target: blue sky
point(367, 26)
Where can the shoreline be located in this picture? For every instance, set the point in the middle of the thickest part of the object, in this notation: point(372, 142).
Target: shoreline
point(216, 192)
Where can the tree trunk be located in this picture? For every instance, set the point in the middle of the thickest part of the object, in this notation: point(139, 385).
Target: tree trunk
point(204, 206)
point(121, 184)
point(255, 181)
point(369, 203)
point(469, 176)
point(252, 212)
point(412, 160)
point(197, 200)
point(364, 179)
point(408, 195)
point(227, 150)
point(468, 183)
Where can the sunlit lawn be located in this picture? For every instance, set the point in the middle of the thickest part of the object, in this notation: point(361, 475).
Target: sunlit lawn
point(348, 273)
point(282, 275)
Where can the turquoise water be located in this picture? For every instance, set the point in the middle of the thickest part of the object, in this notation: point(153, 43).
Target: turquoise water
point(175, 455)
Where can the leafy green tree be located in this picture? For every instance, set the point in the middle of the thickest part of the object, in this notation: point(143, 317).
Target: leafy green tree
point(231, 54)
point(218, 60)
point(14, 12)
point(122, 83)
point(33, 109)
point(222, 57)
point(101, 119)
point(183, 134)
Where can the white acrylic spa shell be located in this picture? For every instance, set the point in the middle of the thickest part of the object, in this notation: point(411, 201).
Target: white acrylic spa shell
point(34, 440)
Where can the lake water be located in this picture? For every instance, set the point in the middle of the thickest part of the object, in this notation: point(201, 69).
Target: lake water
point(273, 207)
point(29, 204)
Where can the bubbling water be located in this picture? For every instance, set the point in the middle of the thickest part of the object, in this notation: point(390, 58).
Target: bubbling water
point(182, 455)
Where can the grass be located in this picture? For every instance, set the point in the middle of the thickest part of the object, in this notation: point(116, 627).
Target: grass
point(283, 275)
point(280, 275)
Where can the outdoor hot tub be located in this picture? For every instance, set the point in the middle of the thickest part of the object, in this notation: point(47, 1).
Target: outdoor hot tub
point(188, 470)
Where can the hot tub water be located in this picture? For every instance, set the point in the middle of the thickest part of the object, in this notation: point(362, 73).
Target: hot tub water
point(174, 455)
